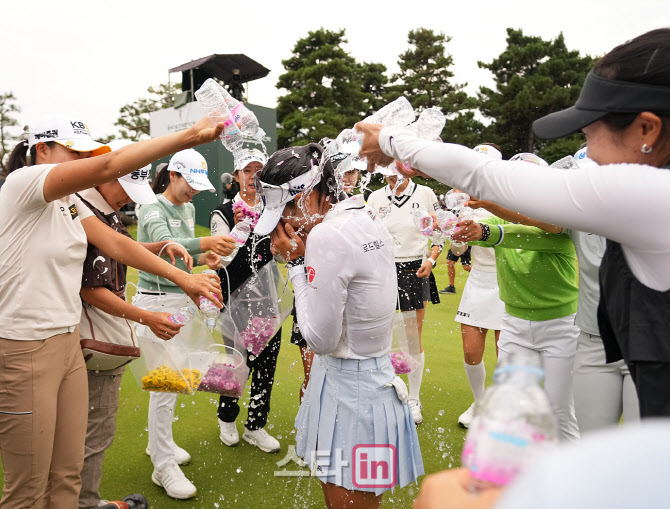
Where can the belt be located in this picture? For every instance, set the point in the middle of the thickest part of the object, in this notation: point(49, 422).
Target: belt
point(145, 292)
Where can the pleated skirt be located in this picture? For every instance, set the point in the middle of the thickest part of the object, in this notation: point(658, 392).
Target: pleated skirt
point(348, 414)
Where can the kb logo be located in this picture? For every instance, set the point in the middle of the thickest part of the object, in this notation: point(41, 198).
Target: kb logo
point(374, 466)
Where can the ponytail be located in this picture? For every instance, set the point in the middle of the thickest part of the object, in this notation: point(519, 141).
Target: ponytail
point(19, 156)
point(162, 180)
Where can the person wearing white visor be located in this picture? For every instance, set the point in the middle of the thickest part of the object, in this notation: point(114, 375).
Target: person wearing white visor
point(136, 183)
point(343, 274)
point(45, 230)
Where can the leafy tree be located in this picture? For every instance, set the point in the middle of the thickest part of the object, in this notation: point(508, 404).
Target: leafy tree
point(327, 90)
point(8, 110)
point(133, 123)
point(533, 78)
point(426, 79)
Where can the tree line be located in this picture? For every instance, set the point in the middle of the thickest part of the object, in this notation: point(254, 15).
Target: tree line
point(325, 89)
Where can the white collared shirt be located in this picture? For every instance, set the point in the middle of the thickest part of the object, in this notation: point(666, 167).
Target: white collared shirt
point(396, 215)
point(345, 300)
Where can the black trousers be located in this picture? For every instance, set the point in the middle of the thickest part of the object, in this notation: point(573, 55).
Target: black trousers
point(652, 383)
point(262, 373)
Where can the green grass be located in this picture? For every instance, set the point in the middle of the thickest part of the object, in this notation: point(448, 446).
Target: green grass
point(243, 475)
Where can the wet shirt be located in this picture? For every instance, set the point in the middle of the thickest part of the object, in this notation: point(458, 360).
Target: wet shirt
point(42, 251)
point(345, 295)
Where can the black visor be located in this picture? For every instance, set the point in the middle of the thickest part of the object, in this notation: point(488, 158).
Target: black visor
point(600, 96)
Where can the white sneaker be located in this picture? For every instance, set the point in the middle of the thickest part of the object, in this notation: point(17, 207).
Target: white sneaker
point(173, 481)
point(466, 417)
point(415, 407)
point(181, 456)
point(261, 439)
point(228, 433)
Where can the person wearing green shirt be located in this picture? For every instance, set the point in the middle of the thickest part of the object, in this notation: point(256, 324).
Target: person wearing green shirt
point(173, 218)
point(537, 279)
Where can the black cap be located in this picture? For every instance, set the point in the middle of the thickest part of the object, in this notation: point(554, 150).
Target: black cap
point(600, 96)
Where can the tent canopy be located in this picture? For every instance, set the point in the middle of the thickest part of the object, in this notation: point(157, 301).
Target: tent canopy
point(221, 67)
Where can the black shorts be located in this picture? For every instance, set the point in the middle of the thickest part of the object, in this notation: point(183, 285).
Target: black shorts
point(465, 257)
point(412, 290)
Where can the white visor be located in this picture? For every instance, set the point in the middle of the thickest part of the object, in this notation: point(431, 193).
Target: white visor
point(275, 198)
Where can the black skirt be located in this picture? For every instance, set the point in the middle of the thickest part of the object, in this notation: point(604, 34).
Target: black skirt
point(413, 291)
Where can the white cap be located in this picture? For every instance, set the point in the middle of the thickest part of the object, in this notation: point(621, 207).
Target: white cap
point(583, 160)
point(389, 170)
point(72, 134)
point(275, 198)
point(136, 184)
point(193, 167)
point(529, 158)
point(248, 156)
point(489, 151)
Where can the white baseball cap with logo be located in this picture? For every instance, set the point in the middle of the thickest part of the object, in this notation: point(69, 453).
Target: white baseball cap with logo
point(72, 134)
point(136, 183)
point(193, 167)
point(248, 156)
point(489, 151)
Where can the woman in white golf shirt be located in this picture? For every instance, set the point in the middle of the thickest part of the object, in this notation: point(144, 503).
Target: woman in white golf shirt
point(44, 231)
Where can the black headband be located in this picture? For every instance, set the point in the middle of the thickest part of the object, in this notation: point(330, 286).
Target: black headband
point(600, 96)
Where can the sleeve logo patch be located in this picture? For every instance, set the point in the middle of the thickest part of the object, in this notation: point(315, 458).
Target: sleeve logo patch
point(152, 215)
point(311, 274)
point(73, 211)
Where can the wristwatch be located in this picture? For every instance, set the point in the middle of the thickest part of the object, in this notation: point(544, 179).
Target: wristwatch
point(295, 262)
point(432, 262)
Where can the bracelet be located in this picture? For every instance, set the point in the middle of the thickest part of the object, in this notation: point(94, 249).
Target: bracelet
point(432, 262)
point(486, 232)
point(295, 262)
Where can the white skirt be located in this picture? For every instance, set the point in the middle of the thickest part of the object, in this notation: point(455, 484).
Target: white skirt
point(481, 305)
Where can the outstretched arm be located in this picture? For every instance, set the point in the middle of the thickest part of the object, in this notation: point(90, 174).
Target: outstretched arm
point(126, 250)
point(106, 301)
point(70, 177)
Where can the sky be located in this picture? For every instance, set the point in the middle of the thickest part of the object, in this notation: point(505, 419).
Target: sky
point(87, 59)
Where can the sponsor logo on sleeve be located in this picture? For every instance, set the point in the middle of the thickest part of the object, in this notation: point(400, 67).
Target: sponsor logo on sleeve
point(73, 211)
point(191, 224)
point(154, 214)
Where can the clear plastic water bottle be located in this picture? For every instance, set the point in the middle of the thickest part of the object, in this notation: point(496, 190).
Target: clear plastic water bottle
point(513, 423)
point(430, 123)
point(395, 113)
point(212, 99)
point(455, 200)
point(208, 309)
point(241, 231)
point(183, 315)
point(423, 220)
point(446, 221)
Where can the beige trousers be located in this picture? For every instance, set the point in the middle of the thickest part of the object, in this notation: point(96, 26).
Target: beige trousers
point(103, 404)
point(43, 401)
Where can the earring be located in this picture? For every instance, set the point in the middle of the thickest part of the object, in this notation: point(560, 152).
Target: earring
point(646, 149)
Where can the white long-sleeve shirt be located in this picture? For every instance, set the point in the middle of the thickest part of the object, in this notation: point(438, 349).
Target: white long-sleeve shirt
point(345, 294)
point(627, 203)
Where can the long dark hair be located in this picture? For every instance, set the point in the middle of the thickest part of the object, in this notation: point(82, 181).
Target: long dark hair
point(18, 158)
point(291, 162)
point(162, 179)
point(645, 60)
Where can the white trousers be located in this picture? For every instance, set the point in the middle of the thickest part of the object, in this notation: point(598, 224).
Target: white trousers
point(603, 392)
point(161, 404)
point(554, 342)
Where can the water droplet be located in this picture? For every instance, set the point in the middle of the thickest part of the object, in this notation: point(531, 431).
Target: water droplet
point(440, 413)
point(239, 470)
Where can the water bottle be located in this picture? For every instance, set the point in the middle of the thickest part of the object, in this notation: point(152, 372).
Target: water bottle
point(211, 98)
point(430, 123)
point(395, 113)
point(423, 220)
point(446, 221)
point(183, 315)
point(513, 423)
point(242, 230)
point(208, 309)
point(455, 200)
